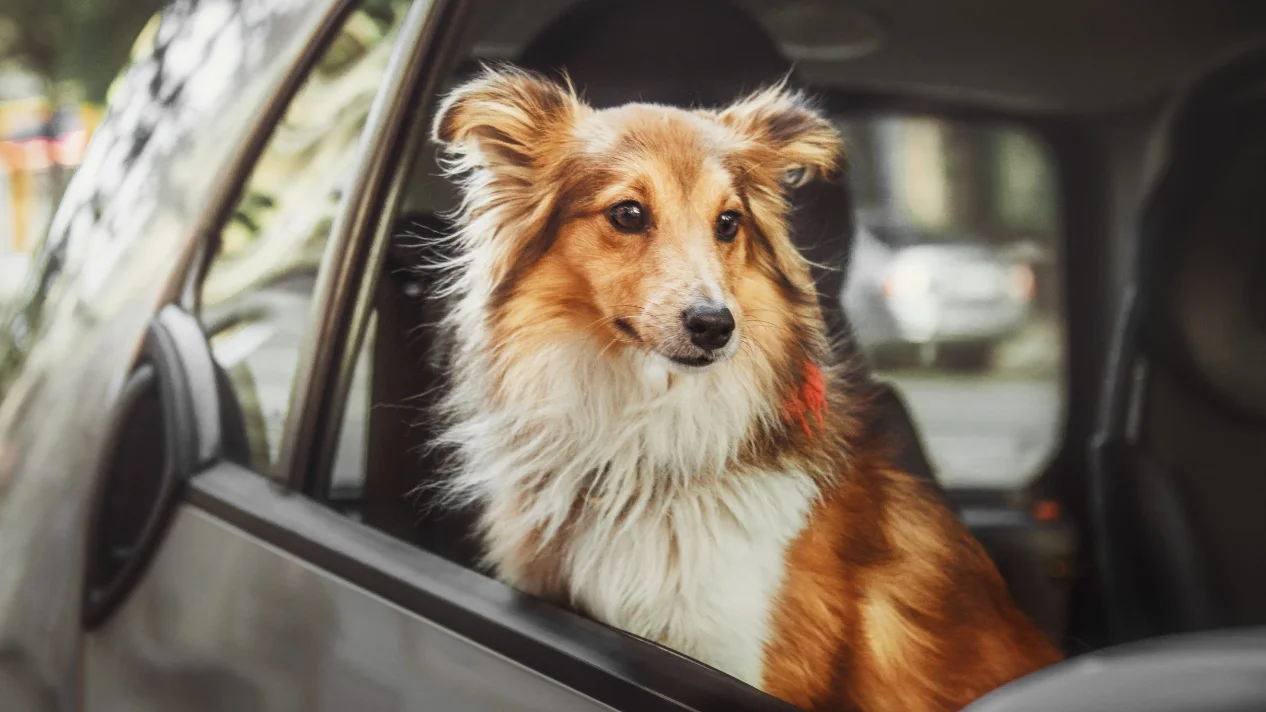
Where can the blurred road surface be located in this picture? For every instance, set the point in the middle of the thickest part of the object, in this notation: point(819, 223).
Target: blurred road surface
point(985, 431)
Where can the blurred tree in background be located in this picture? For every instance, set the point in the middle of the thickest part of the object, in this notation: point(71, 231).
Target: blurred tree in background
point(76, 47)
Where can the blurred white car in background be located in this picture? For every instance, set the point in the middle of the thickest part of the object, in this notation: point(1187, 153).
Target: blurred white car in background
point(934, 297)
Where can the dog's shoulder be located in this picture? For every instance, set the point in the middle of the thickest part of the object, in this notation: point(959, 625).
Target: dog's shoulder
point(891, 604)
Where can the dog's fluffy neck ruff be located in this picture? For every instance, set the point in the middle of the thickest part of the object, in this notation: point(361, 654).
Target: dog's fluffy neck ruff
point(612, 484)
point(609, 426)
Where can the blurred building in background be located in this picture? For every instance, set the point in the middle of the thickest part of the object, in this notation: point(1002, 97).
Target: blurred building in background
point(40, 144)
point(57, 60)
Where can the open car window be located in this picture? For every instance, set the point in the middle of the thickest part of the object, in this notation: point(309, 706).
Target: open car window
point(955, 287)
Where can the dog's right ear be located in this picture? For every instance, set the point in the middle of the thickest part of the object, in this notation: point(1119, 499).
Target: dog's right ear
point(504, 118)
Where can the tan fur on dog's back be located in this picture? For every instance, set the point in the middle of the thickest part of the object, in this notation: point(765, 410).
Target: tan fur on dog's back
point(708, 499)
point(911, 606)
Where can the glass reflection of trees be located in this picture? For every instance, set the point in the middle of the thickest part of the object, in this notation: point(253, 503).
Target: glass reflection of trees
point(284, 216)
point(189, 59)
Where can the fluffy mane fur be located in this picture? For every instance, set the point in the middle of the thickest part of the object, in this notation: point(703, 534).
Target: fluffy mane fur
point(667, 501)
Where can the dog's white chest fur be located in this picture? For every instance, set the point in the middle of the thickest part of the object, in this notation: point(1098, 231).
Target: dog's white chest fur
point(701, 578)
point(606, 486)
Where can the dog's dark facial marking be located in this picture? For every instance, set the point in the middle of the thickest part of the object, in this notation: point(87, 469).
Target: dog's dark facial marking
point(787, 126)
point(623, 325)
point(693, 361)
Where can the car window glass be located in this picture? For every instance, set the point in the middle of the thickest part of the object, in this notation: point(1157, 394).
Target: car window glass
point(347, 475)
point(954, 290)
point(256, 298)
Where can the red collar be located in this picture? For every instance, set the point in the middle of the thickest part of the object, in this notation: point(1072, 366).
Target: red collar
point(808, 398)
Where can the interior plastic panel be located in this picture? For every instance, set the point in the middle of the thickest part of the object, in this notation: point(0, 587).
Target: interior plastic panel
point(1208, 672)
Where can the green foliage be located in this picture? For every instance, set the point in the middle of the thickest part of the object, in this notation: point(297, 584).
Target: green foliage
point(77, 45)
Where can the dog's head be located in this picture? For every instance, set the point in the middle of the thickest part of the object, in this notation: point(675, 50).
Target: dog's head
point(645, 227)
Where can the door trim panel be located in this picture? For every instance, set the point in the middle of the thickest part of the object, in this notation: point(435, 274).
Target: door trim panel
point(608, 665)
point(225, 622)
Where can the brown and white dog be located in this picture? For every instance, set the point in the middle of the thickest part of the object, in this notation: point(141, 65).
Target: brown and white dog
point(645, 408)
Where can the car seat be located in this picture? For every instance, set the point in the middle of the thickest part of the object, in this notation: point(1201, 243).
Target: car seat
point(1178, 481)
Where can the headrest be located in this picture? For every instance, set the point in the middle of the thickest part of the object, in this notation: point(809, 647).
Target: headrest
point(1203, 256)
point(680, 52)
point(694, 53)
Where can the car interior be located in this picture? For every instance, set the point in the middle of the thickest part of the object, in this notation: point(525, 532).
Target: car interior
point(1144, 521)
point(600, 47)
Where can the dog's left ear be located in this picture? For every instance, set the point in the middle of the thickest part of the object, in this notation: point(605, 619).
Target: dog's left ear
point(502, 133)
point(786, 134)
point(504, 118)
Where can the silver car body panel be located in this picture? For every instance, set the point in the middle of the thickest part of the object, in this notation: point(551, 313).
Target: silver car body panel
point(224, 622)
point(157, 171)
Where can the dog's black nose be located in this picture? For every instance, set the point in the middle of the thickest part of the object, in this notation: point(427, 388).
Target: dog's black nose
point(709, 324)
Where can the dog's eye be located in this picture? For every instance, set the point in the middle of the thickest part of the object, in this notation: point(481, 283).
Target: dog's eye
point(628, 216)
point(728, 225)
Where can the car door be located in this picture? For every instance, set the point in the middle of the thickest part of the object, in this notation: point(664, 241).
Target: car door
point(214, 583)
point(187, 610)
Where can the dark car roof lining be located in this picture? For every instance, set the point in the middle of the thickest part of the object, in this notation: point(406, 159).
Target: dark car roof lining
point(1113, 63)
point(1072, 56)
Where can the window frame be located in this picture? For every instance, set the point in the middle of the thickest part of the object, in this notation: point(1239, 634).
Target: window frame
point(345, 250)
point(188, 290)
point(189, 294)
point(613, 667)
point(357, 247)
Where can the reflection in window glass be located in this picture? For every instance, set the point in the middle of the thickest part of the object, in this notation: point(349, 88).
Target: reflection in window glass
point(348, 472)
point(953, 288)
point(257, 295)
